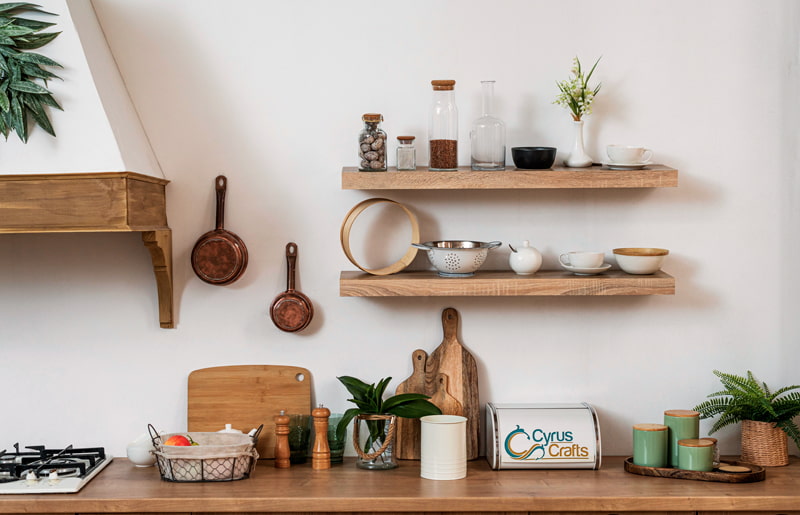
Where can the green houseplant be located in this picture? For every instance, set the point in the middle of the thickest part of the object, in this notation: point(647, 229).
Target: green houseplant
point(22, 97)
point(378, 415)
point(767, 416)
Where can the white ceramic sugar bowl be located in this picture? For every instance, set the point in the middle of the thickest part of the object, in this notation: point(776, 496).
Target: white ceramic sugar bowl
point(525, 260)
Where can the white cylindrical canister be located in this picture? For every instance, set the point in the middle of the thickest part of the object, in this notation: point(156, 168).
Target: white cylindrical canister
point(443, 447)
point(565, 436)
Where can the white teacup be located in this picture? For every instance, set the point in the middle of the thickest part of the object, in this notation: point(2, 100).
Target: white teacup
point(627, 154)
point(582, 259)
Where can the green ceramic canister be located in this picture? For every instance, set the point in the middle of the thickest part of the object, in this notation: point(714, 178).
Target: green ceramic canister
point(683, 424)
point(650, 444)
point(696, 454)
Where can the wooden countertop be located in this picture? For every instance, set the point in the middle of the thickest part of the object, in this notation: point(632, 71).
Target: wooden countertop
point(122, 487)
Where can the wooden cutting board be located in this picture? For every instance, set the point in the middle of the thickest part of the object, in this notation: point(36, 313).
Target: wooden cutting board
point(450, 377)
point(408, 429)
point(247, 396)
point(454, 361)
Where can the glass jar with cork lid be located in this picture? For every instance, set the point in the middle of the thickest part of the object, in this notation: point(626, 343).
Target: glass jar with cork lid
point(372, 144)
point(406, 153)
point(443, 127)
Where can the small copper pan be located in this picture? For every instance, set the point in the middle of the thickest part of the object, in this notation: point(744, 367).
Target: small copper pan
point(291, 311)
point(219, 256)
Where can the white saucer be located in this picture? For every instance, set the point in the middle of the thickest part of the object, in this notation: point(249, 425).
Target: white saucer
point(626, 166)
point(586, 271)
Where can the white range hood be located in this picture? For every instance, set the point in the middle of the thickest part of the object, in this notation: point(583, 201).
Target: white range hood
point(99, 129)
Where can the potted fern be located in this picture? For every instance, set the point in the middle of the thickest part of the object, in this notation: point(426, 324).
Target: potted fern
point(377, 417)
point(767, 416)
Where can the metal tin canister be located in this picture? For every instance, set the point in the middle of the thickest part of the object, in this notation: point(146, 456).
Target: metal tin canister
point(543, 436)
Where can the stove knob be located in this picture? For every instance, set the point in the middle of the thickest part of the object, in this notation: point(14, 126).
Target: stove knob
point(30, 477)
point(53, 478)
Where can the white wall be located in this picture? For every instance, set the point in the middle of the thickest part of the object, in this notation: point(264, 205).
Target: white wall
point(271, 94)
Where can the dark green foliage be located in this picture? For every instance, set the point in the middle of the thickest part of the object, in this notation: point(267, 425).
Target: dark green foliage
point(369, 400)
point(745, 398)
point(23, 80)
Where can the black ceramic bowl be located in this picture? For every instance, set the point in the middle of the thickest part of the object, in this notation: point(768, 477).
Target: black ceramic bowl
point(533, 158)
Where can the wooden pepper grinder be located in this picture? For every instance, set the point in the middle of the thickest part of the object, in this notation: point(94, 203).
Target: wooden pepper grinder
point(321, 452)
point(282, 451)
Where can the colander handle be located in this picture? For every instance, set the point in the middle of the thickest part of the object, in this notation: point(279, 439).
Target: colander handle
point(420, 246)
point(493, 244)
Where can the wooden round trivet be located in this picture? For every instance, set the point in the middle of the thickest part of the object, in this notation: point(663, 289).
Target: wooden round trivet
point(734, 469)
point(344, 237)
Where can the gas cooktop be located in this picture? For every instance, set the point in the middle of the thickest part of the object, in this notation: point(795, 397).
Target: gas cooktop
point(38, 470)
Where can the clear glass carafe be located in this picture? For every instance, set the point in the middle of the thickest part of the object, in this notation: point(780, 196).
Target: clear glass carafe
point(372, 144)
point(443, 127)
point(488, 135)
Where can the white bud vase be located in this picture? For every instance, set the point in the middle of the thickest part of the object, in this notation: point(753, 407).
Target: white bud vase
point(578, 158)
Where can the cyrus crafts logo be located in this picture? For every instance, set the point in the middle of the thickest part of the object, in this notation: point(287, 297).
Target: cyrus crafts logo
point(543, 445)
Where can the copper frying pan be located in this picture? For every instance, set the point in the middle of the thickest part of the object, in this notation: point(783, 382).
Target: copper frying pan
point(291, 311)
point(219, 256)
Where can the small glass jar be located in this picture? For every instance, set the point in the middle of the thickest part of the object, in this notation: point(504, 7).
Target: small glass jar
point(406, 153)
point(443, 127)
point(372, 144)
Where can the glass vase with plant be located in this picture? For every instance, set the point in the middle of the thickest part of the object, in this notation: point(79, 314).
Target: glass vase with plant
point(767, 416)
point(377, 416)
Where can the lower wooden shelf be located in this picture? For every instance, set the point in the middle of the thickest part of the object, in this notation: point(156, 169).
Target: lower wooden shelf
point(95, 202)
point(492, 283)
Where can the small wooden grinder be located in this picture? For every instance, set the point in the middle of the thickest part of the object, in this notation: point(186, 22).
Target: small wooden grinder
point(321, 452)
point(282, 451)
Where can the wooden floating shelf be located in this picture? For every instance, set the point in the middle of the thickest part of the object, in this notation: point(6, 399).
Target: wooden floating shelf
point(652, 176)
point(95, 202)
point(503, 284)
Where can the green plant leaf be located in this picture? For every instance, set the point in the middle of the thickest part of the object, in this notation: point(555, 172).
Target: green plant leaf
point(36, 41)
point(402, 398)
point(32, 24)
point(33, 70)
point(48, 100)
point(29, 87)
point(18, 122)
point(5, 105)
point(356, 387)
point(347, 417)
point(21, 6)
point(415, 409)
point(31, 57)
point(38, 114)
point(15, 30)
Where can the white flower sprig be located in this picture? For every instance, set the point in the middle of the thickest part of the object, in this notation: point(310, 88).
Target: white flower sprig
point(575, 92)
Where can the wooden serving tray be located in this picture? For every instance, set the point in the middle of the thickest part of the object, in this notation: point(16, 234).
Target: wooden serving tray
point(758, 473)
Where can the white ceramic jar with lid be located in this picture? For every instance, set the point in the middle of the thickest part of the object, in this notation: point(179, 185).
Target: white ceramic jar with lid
point(525, 260)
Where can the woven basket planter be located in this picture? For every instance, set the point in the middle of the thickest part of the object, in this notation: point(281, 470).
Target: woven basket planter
point(764, 444)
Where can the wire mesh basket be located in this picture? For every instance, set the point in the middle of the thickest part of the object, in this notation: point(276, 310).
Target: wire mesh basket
point(216, 457)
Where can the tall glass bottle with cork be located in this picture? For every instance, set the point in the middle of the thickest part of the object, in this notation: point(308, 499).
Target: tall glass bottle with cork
point(488, 135)
point(443, 127)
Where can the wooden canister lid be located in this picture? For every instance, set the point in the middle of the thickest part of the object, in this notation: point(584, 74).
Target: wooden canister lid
point(681, 413)
point(443, 85)
point(696, 442)
point(372, 117)
point(406, 138)
point(650, 427)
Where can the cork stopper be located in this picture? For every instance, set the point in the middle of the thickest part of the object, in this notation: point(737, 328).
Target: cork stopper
point(681, 413)
point(406, 139)
point(443, 85)
point(372, 117)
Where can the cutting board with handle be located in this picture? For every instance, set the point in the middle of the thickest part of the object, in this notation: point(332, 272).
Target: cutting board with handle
point(247, 396)
point(408, 429)
point(454, 361)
